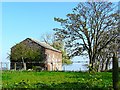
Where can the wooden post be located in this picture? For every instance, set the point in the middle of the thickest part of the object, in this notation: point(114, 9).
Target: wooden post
point(15, 65)
point(52, 66)
point(64, 68)
point(1, 65)
point(115, 74)
point(6, 65)
point(1, 76)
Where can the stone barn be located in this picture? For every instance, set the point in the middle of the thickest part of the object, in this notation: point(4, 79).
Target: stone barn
point(52, 60)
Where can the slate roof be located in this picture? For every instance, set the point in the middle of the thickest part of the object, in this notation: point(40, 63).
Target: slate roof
point(43, 44)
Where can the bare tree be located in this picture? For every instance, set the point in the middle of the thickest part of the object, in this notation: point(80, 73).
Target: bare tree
point(57, 44)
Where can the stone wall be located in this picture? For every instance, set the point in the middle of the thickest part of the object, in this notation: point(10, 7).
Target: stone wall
point(54, 60)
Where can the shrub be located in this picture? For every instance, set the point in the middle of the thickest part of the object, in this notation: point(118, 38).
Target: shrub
point(37, 68)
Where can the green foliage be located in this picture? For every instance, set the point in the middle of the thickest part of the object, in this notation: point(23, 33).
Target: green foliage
point(60, 46)
point(57, 80)
point(22, 51)
point(65, 58)
point(37, 68)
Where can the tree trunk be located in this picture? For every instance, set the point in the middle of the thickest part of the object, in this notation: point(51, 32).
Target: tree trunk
point(107, 63)
point(115, 72)
point(24, 64)
point(102, 64)
point(90, 62)
point(90, 65)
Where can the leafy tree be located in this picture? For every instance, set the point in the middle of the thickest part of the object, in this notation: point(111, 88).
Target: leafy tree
point(90, 27)
point(60, 46)
point(24, 53)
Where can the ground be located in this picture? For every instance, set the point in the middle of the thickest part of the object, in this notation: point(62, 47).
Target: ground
point(57, 80)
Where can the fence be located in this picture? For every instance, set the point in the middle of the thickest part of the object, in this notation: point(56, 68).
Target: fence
point(75, 66)
point(4, 65)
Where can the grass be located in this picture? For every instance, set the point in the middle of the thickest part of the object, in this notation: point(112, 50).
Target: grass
point(57, 80)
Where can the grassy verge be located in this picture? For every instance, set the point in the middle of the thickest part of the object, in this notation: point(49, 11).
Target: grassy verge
point(57, 80)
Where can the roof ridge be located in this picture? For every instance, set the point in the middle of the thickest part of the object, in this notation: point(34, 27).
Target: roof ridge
point(44, 44)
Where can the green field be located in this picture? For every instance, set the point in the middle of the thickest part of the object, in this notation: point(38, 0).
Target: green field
point(57, 80)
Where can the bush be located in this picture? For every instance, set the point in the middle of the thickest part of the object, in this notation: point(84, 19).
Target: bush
point(37, 68)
